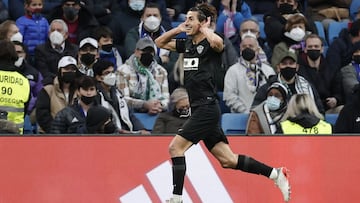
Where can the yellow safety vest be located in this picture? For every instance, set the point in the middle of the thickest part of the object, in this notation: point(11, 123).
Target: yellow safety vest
point(15, 91)
point(322, 127)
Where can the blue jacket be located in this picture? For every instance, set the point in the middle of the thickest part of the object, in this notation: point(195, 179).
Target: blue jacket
point(34, 30)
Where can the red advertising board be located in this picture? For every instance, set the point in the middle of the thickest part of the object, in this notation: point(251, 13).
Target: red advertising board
point(137, 169)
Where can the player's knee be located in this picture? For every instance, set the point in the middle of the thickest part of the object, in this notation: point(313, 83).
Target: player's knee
point(174, 150)
point(228, 163)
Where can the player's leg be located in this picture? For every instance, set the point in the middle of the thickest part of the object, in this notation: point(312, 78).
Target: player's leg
point(228, 159)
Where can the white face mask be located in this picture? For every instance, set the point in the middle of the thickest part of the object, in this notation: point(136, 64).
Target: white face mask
point(17, 37)
point(56, 38)
point(19, 62)
point(273, 103)
point(137, 5)
point(296, 34)
point(152, 23)
point(110, 79)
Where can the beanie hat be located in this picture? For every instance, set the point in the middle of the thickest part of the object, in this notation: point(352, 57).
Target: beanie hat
point(101, 65)
point(96, 116)
point(283, 90)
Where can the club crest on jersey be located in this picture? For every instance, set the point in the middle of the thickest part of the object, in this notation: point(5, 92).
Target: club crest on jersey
point(200, 49)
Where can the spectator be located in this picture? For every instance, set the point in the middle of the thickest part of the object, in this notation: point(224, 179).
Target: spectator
point(9, 31)
point(111, 98)
point(243, 79)
point(179, 111)
point(4, 13)
point(303, 117)
point(34, 76)
point(57, 95)
point(287, 75)
point(16, 9)
point(348, 118)
point(264, 118)
point(342, 48)
point(72, 119)
point(99, 121)
point(79, 19)
point(14, 95)
point(275, 21)
point(230, 18)
point(293, 37)
point(175, 10)
point(143, 81)
point(350, 74)
point(108, 51)
point(88, 55)
point(150, 26)
point(313, 67)
point(103, 10)
point(48, 54)
point(33, 26)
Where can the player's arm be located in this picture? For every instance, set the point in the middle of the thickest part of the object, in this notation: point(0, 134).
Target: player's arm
point(167, 41)
point(215, 41)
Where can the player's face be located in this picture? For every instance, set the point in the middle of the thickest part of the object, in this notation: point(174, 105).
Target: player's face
point(192, 23)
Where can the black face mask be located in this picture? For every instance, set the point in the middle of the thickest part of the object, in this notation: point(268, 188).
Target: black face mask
point(182, 113)
point(313, 54)
point(288, 73)
point(68, 77)
point(248, 54)
point(87, 59)
point(109, 128)
point(286, 8)
point(146, 59)
point(70, 13)
point(107, 47)
point(87, 100)
point(356, 59)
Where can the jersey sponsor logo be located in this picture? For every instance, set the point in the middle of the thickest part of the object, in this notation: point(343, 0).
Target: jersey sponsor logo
point(200, 173)
point(191, 64)
point(200, 49)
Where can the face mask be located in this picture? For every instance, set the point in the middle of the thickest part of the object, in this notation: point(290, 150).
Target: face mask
point(313, 54)
point(68, 77)
point(297, 34)
point(248, 54)
point(152, 23)
point(288, 73)
point(70, 13)
point(286, 8)
point(110, 79)
point(182, 113)
point(17, 37)
point(19, 62)
point(87, 59)
point(36, 13)
point(107, 47)
point(137, 5)
point(146, 59)
point(109, 128)
point(273, 103)
point(356, 59)
point(87, 100)
point(56, 38)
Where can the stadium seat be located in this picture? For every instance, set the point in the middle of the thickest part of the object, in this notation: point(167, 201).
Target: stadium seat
point(234, 123)
point(334, 29)
point(262, 30)
point(331, 118)
point(354, 7)
point(181, 35)
point(147, 120)
point(223, 107)
point(321, 32)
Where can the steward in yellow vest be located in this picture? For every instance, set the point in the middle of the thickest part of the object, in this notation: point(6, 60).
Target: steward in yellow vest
point(322, 127)
point(14, 87)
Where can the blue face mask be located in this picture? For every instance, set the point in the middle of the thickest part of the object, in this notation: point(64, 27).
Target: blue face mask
point(273, 103)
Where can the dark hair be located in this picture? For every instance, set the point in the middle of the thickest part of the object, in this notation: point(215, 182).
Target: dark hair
point(7, 51)
point(86, 82)
point(205, 10)
point(355, 28)
point(25, 48)
point(151, 5)
point(101, 65)
point(102, 31)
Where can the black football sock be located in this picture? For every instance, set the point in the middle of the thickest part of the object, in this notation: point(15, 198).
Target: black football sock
point(178, 169)
point(250, 165)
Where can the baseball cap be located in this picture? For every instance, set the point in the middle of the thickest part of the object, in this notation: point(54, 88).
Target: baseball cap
point(66, 60)
point(290, 53)
point(90, 41)
point(144, 43)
